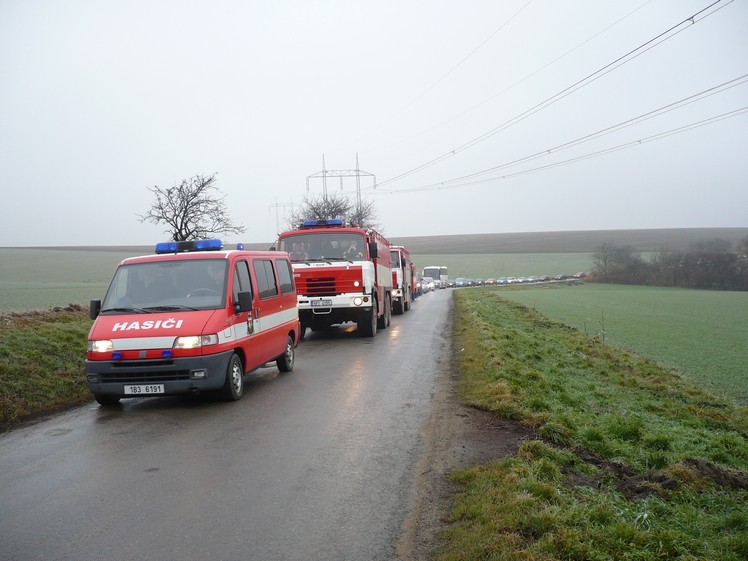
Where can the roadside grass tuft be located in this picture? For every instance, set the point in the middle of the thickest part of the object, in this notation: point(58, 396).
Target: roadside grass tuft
point(41, 362)
point(630, 460)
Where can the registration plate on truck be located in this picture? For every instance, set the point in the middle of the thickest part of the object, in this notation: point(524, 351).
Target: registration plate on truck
point(144, 389)
point(322, 303)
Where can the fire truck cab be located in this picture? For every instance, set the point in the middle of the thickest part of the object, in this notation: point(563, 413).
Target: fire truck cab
point(192, 317)
point(342, 274)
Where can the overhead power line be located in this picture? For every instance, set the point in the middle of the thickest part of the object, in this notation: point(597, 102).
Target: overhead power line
point(628, 57)
point(658, 136)
point(450, 71)
point(598, 134)
point(527, 76)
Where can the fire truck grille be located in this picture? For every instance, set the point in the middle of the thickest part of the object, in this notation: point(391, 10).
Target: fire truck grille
point(323, 286)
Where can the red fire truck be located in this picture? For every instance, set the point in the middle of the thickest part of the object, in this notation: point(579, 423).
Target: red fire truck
point(342, 274)
point(403, 274)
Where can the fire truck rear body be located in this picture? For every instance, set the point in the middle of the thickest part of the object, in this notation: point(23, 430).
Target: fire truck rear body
point(402, 279)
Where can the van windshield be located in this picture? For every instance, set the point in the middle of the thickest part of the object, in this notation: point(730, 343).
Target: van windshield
point(198, 284)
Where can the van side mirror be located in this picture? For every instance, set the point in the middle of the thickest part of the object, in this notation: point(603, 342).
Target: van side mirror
point(373, 251)
point(94, 308)
point(243, 303)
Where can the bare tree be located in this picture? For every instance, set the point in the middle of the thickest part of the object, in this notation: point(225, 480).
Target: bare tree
point(334, 205)
point(192, 210)
point(602, 258)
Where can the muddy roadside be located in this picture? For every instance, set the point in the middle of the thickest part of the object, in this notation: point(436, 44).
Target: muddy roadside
point(456, 436)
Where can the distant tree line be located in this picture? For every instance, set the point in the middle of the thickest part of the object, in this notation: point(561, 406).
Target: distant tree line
point(708, 264)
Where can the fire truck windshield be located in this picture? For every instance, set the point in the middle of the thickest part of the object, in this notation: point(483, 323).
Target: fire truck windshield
point(324, 246)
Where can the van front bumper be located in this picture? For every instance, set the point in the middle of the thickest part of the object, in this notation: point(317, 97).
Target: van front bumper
point(178, 375)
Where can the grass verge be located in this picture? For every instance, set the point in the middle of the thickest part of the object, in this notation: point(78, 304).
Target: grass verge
point(630, 460)
point(42, 358)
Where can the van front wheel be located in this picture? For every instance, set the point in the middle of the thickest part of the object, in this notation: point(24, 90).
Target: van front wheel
point(285, 361)
point(233, 387)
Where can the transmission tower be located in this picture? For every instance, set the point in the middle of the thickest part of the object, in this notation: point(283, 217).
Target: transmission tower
point(341, 174)
point(278, 205)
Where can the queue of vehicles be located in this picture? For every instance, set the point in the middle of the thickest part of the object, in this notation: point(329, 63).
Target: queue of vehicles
point(197, 317)
point(460, 282)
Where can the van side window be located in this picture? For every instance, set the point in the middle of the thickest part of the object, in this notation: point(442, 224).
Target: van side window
point(265, 278)
point(242, 281)
point(286, 276)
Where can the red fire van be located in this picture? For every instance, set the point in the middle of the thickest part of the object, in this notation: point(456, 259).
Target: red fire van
point(193, 317)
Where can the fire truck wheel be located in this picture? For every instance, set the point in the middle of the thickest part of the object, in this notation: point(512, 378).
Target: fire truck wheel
point(384, 321)
point(367, 327)
point(397, 308)
point(233, 387)
point(285, 361)
point(103, 399)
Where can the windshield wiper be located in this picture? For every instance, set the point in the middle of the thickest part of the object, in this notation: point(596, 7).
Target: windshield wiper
point(135, 310)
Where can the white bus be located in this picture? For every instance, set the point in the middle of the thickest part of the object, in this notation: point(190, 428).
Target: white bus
point(438, 273)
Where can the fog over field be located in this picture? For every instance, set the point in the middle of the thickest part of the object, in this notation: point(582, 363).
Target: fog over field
point(582, 241)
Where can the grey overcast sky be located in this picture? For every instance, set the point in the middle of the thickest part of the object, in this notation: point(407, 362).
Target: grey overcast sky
point(474, 117)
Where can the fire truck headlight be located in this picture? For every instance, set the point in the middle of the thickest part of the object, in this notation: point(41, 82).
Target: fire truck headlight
point(356, 284)
point(358, 301)
point(103, 346)
point(195, 341)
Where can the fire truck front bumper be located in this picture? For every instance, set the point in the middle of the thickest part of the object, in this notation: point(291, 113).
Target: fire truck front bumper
point(334, 309)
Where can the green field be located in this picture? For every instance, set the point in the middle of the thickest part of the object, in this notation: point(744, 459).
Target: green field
point(702, 333)
point(480, 265)
point(39, 279)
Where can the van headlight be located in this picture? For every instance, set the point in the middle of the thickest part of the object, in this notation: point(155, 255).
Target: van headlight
point(103, 346)
point(195, 341)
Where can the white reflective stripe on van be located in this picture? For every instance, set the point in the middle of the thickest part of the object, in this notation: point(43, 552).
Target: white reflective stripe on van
point(274, 320)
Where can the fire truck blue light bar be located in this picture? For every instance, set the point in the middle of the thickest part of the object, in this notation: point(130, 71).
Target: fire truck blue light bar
point(329, 222)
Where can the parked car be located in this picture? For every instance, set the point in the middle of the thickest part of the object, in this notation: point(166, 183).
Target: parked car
point(428, 284)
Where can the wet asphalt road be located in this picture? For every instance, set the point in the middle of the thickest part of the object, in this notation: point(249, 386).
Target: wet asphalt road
point(317, 464)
